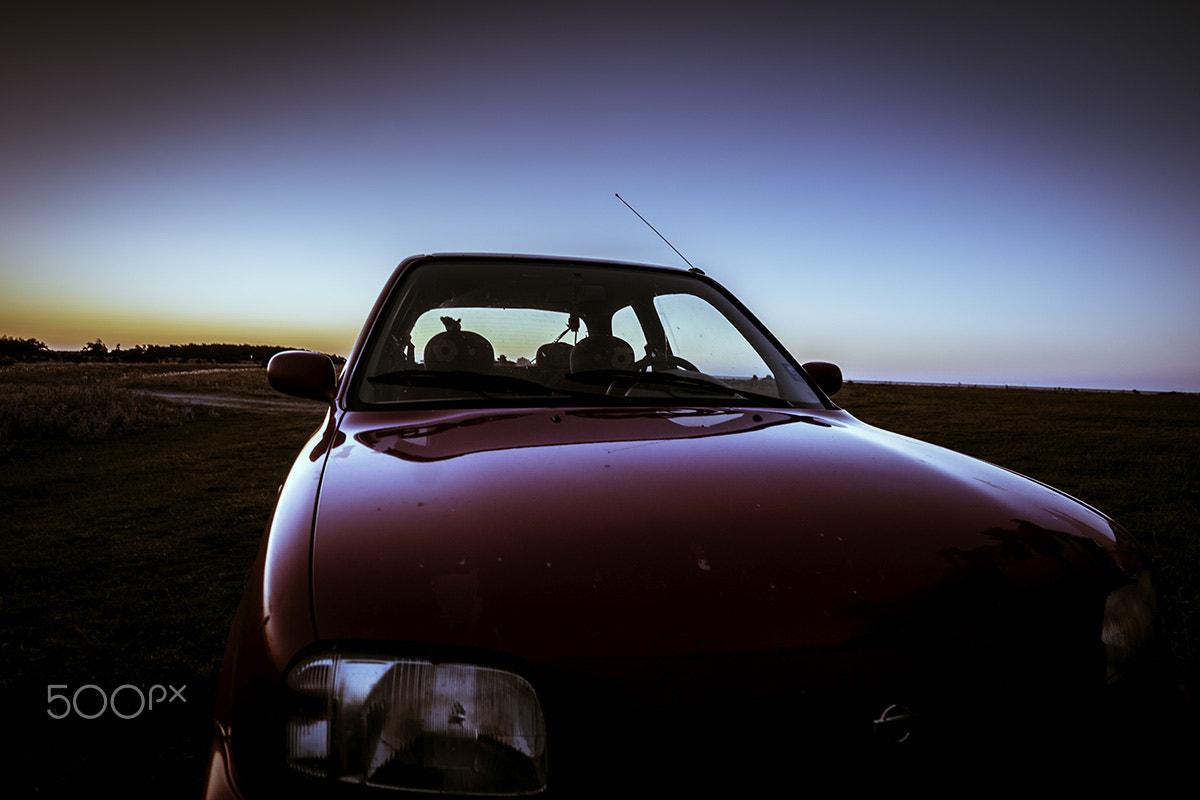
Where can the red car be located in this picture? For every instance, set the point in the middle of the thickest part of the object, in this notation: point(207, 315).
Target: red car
point(576, 526)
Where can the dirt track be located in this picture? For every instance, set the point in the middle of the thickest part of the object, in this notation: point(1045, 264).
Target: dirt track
point(239, 403)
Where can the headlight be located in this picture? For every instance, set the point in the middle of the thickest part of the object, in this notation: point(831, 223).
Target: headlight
point(412, 724)
point(1129, 619)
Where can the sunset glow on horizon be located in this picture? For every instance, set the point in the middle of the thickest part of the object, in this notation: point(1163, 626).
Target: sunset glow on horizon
point(953, 196)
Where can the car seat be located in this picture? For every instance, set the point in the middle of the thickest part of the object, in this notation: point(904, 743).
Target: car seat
point(601, 351)
point(457, 350)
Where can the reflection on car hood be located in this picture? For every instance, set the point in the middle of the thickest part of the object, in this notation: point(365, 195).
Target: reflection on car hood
point(568, 534)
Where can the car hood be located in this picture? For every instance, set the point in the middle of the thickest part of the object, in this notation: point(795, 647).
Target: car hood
point(558, 534)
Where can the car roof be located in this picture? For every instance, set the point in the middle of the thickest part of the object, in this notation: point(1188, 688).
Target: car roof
point(545, 259)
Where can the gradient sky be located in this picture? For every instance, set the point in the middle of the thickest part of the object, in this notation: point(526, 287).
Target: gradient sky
point(1001, 193)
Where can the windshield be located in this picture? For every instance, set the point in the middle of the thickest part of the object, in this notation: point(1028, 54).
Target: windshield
point(519, 333)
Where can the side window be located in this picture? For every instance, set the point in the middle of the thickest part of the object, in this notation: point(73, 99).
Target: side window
point(701, 334)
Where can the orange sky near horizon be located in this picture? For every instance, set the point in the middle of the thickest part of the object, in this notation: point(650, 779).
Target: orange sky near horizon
point(70, 327)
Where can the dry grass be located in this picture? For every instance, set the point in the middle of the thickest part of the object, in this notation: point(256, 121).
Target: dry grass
point(245, 381)
point(87, 412)
point(125, 551)
point(93, 402)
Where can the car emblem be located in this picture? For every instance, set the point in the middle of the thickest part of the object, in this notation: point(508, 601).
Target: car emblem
point(895, 724)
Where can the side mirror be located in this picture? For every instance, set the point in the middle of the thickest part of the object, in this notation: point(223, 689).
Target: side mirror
point(827, 376)
point(303, 374)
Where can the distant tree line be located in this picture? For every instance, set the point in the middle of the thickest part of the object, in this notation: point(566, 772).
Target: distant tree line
point(13, 349)
point(22, 349)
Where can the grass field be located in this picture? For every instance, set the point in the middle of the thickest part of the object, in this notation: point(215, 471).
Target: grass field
point(125, 547)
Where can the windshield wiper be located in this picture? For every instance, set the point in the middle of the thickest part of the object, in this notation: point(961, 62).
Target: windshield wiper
point(481, 383)
point(669, 380)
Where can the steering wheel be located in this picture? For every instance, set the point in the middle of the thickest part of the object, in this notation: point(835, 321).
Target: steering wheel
point(673, 362)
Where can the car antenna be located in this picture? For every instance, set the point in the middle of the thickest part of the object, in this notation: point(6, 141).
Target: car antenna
point(651, 227)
